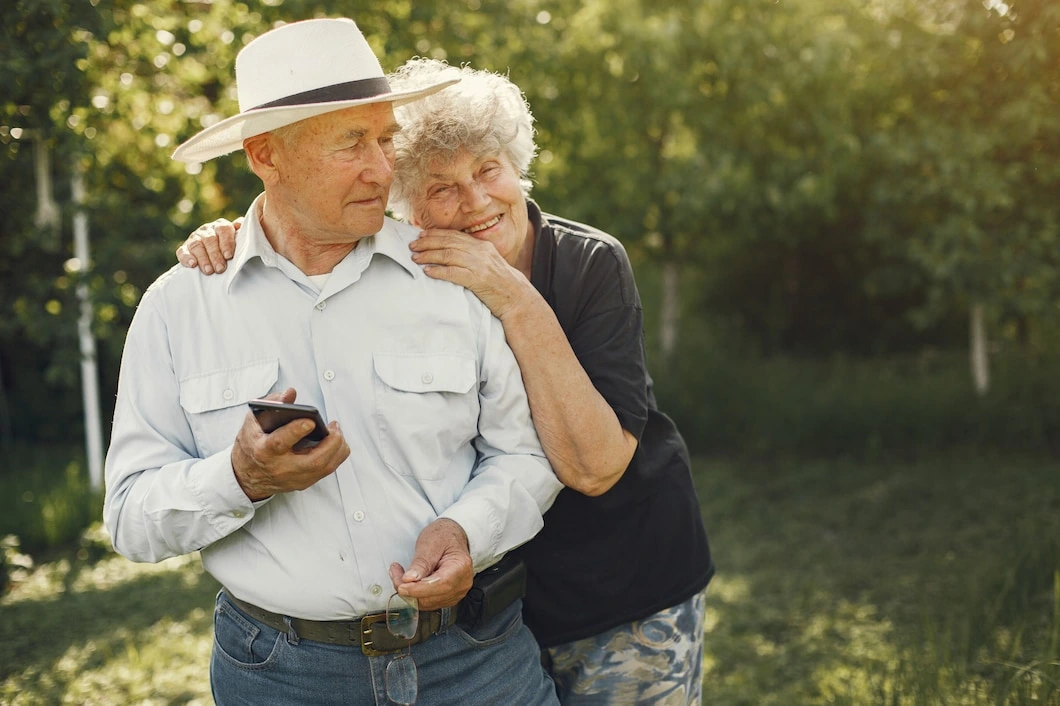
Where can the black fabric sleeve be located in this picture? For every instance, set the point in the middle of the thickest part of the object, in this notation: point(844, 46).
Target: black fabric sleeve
point(608, 333)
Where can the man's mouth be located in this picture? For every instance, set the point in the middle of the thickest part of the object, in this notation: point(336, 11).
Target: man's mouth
point(483, 226)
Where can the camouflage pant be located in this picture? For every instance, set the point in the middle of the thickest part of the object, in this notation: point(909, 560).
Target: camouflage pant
point(657, 661)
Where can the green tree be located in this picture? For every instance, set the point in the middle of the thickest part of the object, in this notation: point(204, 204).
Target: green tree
point(969, 192)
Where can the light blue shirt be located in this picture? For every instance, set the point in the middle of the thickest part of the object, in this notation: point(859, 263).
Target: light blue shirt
point(415, 370)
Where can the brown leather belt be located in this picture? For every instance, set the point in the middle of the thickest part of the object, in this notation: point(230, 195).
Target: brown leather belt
point(369, 632)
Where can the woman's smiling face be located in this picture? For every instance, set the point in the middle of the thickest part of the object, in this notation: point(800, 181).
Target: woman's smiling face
point(481, 196)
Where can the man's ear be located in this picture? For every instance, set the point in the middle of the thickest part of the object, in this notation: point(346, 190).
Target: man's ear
point(261, 151)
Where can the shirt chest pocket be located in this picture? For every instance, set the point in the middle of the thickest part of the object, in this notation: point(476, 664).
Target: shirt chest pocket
point(215, 402)
point(426, 410)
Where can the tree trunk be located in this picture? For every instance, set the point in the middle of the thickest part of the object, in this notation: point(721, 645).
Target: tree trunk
point(47, 217)
point(977, 345)
point(6, 437)
point(89, 370)
point(671, 305)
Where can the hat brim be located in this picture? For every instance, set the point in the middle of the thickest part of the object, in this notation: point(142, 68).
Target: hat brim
point(228, 135)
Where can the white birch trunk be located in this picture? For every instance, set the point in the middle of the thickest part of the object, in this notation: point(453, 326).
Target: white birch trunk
point(89, 372)
point(977, 347)
point(671, 306)
point(47, 210)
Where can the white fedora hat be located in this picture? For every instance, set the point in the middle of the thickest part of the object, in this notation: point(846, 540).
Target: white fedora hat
point(293, 73)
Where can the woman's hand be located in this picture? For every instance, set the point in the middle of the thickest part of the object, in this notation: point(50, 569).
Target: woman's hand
point(475, 264)
point(211, 246)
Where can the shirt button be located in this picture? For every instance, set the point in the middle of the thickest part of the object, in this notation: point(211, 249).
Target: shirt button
point(321, 306)
point(228, 394)
point(238, 514)
point(329, 375)
point(359, 515)
point(376, 589)
point(427, 378)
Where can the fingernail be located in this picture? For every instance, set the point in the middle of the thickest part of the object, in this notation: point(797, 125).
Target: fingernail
point(228, 255)
point(220, 268)
point(306, 426)
point(207, 269)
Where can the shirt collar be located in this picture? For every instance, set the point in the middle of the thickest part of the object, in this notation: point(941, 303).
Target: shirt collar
point(544, 247)
point(392, 241)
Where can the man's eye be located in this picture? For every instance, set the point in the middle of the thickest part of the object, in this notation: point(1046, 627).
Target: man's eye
point(439, 190)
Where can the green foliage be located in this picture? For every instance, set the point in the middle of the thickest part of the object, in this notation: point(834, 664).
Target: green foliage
point(836, 177)
point(866, 408)
point(973, 132)
point(44, 496)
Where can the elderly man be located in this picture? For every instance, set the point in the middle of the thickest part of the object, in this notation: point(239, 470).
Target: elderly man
point(436, 466)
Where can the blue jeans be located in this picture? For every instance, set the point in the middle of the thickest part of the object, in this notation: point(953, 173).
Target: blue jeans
point(496, 663)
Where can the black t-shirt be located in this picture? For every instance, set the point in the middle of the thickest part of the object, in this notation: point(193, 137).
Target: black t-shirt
point(640, 547)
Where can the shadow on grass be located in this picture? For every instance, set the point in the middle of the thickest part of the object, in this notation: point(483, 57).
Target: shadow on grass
point(37, 632)
point(880, 583)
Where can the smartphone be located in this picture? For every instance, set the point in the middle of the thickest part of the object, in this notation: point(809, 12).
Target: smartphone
point(272, 415)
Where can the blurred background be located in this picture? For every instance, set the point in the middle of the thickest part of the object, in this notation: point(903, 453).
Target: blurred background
point(844, 218)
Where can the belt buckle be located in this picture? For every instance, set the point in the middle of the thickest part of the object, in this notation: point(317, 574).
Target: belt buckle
point(367, 644)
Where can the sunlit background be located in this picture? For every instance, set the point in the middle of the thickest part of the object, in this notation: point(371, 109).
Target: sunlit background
point(844, 219)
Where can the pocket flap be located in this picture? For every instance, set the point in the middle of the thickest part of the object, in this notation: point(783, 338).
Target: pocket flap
point(227, 388)
point(426, 372)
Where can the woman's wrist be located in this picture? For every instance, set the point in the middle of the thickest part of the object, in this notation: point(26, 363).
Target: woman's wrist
point(523, 304)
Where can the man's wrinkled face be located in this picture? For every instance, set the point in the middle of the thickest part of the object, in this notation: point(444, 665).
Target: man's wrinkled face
point(334, 172)
point(478, 195)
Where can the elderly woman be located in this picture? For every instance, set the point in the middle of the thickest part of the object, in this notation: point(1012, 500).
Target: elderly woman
point(615, 594)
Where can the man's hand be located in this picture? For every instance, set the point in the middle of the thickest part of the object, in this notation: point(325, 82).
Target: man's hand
point(266, 464)
point(440, 572)
point(211, 246)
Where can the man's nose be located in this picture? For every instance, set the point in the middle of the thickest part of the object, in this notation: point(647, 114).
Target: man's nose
point(379, 164)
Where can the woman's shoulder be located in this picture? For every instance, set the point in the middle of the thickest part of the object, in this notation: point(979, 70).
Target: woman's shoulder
point(570, 235)
point(592, 258)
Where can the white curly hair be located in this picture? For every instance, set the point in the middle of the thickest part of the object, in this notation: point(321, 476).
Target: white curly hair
point(483, 114)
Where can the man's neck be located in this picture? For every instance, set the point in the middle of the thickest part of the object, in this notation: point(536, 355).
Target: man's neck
point(306, 253)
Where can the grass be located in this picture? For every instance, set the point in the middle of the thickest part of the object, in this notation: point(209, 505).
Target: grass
point(930, 581)
point(923, 582)
point(44, 495)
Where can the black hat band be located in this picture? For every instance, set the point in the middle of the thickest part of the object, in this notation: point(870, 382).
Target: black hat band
point(351, 90)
